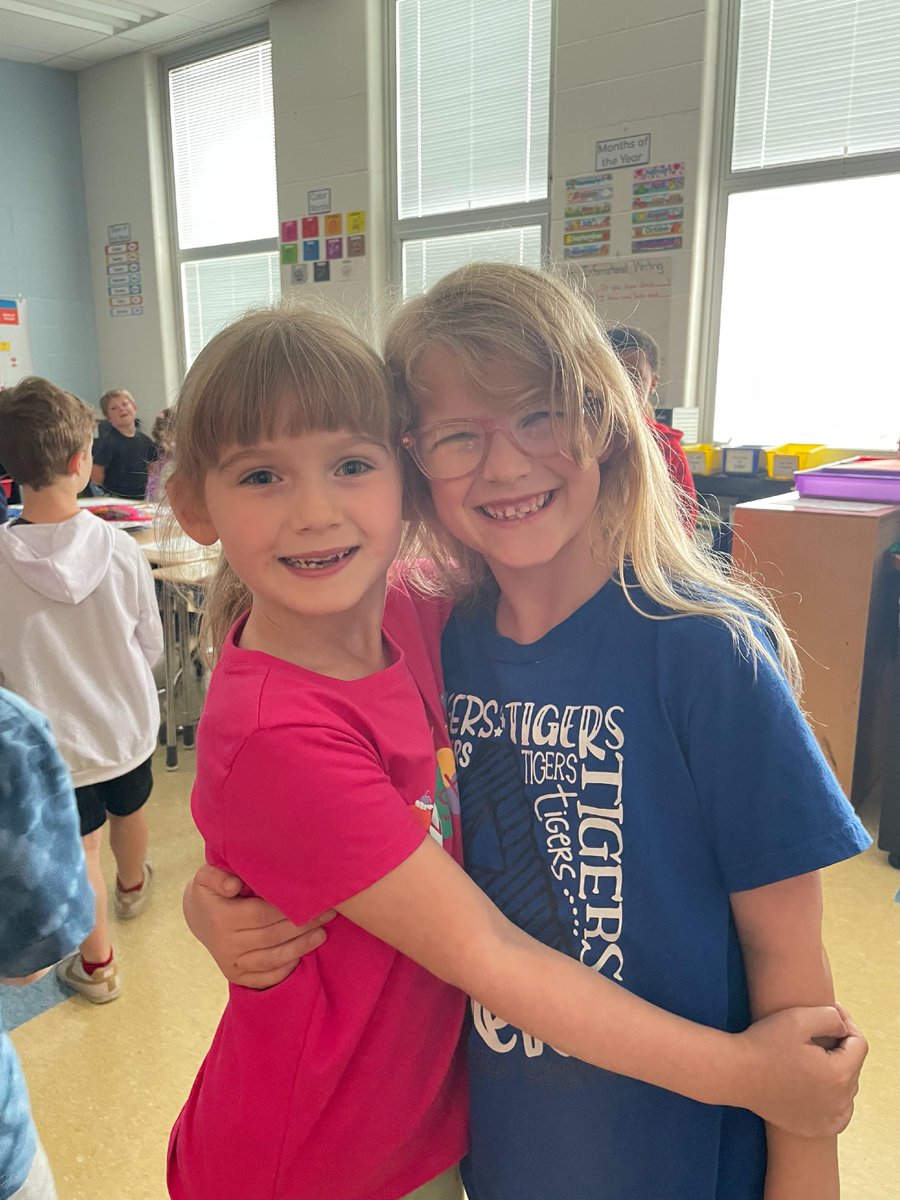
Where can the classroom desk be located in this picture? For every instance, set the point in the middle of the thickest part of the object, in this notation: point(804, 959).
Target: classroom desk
point(181, 567)
point(828, 567)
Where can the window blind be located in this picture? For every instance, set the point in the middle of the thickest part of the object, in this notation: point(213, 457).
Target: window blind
point(426, 260)
point(816, 80)
point(217, 290)
point(473, 104)
point(223, 148)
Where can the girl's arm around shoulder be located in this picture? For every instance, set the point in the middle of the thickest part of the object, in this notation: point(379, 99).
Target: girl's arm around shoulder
point(772, 1068)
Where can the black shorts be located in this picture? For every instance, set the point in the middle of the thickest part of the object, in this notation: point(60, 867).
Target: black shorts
point(121, 796)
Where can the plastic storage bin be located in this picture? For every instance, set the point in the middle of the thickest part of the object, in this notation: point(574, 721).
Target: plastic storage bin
point(872, 479)
point(703, 458)
point(783, 461)
point(744, 460)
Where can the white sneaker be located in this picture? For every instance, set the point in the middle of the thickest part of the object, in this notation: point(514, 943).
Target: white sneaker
point(103, 985)
point(132, 904)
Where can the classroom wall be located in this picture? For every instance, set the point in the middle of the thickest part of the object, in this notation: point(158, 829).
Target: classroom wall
point(125, 183)
point(330, 132)
point(622, 67)
point(625, 68)
point(43, 230)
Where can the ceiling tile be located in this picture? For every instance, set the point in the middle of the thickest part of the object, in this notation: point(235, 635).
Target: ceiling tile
point(111, 47)
point(65, 62)
point(209, 12)
point(50, 36)
point(21, 53)
point(162, 30)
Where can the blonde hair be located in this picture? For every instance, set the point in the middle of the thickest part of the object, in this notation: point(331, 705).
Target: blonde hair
point(276, 372)
point(41, 427)
point(486, 313)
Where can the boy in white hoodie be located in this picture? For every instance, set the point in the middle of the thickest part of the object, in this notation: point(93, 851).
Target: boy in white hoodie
point(80, 633)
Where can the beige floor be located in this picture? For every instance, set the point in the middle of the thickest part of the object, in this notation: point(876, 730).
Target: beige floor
point(107, 1082)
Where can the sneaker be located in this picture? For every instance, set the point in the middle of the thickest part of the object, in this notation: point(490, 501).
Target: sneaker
point(104, 985)
point(132, 904)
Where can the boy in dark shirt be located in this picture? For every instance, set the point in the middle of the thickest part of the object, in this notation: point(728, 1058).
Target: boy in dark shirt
point(123, 453)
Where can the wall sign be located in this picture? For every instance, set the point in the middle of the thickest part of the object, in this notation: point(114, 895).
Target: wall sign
point(626, 151)
point(318, 200)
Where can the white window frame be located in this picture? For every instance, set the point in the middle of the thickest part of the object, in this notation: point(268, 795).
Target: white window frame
point(726, 183)
point(247, 37)
point(479, 220)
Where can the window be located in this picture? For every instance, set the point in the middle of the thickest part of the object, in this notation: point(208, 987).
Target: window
point(811, 172)
point(223, 170)
point(472, 105)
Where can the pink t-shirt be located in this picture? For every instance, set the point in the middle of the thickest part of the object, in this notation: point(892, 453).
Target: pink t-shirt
point(346, 1081)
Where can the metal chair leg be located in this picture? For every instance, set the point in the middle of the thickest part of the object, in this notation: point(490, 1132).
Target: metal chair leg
point(171, 650)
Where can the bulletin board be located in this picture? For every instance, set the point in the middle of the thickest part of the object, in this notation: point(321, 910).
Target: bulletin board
point(15, 348)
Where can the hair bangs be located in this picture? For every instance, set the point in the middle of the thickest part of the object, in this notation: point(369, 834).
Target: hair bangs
point(280, 372)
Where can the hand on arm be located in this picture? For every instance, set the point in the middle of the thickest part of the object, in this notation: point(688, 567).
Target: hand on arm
point(98, 474)
point(252, 943)
point(779, 927)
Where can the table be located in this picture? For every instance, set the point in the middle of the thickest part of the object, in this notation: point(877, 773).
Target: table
point(181, 567)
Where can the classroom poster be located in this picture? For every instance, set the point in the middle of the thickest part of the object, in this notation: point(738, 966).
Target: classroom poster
point(307, 257)
point(122, 258)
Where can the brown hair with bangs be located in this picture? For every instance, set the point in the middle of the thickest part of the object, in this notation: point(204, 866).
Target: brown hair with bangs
point(41, 427)
point(276, 372)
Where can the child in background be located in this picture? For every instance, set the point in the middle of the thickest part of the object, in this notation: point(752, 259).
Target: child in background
point(80, 633)
point(163, 435)
point(325, 780)
point(638, 786)
point(639, 355)
point(123, 453)
point(46, 907)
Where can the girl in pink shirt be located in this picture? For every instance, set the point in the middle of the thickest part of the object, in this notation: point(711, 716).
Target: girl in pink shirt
point(325, 780)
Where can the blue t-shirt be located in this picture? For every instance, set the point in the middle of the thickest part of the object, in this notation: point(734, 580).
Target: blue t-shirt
point(618, 779)
point(46, 902)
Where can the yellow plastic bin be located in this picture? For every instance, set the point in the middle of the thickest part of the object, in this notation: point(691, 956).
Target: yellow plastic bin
point(784, 460)
point(703, 458)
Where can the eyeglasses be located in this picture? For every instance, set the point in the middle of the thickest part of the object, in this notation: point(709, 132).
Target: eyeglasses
point(454, 449)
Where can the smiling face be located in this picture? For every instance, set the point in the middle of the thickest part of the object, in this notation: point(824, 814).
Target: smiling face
point(121, 412)
point(521, 514)
point(309, 523)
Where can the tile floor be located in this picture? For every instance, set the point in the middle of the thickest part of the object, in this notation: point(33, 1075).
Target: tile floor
point(106, 1083)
